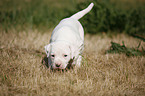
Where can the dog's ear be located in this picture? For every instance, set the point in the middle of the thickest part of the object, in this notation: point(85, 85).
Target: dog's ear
point(47, 49)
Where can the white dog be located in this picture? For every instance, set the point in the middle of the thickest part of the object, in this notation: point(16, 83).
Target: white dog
point(67, 42)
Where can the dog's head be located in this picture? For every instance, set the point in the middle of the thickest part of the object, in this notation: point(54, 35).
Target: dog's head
point(59, 54)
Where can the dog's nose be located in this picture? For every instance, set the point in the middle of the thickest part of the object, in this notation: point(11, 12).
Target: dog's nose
point(57, 65)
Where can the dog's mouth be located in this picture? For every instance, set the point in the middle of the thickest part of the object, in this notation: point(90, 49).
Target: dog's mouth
point(69, 66)
point(59, 68)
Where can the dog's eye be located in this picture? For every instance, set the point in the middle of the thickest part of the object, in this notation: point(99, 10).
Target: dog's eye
point(65, 55)
point(52, 55)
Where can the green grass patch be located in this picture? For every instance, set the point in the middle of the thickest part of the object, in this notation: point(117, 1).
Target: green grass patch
point(117, 48)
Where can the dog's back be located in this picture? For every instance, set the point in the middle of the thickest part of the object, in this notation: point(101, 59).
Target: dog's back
point(70, 29)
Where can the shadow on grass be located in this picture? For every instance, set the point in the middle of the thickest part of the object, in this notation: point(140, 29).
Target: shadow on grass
point(45, 61)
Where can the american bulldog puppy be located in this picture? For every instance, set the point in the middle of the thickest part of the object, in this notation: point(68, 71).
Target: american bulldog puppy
point(67, 42)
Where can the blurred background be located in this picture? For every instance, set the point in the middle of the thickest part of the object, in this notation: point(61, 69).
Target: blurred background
point(107, 16)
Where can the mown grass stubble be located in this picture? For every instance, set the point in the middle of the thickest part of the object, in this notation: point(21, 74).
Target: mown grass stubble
point(23, 73)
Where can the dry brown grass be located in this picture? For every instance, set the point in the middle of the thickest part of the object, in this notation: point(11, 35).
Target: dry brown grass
point(23, 73)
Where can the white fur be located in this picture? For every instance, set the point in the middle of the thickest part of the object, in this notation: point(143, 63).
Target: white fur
point(67, 41)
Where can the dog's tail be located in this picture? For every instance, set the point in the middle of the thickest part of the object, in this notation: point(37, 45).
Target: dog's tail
point(80, 14)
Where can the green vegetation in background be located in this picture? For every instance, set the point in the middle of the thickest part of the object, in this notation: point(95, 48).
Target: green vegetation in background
point(30, 14)
point(106, 16)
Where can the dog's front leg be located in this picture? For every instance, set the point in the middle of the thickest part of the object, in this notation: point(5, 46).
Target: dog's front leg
point(78, 61)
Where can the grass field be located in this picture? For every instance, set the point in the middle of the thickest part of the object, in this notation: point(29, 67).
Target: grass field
point(23, 70)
